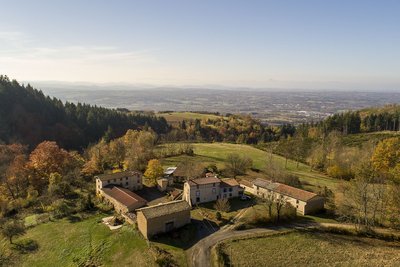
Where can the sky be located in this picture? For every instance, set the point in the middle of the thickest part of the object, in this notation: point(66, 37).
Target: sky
point(304, 44)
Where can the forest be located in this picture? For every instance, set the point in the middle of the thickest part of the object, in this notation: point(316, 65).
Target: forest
point(29, 117)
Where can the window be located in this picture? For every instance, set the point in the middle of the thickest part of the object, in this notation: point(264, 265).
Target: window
point(230, 194)
point(214, 190)
point(230, 189)
point(224, 190)
point(198, 193)
point(120, 179)
point(197, 186)
point(126, 178)
point(224, 195)
point(213, 184)
point(126, 183)
point(197, 199)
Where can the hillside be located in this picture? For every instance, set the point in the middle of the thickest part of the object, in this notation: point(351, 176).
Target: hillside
point(27, 116)
point(216, 153)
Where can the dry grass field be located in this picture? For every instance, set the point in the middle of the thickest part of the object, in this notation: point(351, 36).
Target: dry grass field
point(312, 249)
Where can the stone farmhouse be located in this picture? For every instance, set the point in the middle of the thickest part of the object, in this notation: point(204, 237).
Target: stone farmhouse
point(163, 218)
point(131, 180)
point(305, 202)
point(209, 189)
point(116, 189)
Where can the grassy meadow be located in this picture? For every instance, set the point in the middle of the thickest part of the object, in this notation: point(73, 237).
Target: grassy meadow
point(85, 243)
point(311, 249)
point(216, 153)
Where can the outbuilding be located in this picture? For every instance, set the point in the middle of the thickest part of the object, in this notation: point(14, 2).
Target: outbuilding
point(163, 217)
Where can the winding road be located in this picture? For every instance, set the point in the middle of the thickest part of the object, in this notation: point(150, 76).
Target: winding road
point(200, 254)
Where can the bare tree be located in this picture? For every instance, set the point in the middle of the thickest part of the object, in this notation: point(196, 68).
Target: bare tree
point(223, 205)
point(280, 202)
point(237, 165)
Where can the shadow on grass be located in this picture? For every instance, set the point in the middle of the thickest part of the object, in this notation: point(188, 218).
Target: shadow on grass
point(26, 246)
point(183, 237)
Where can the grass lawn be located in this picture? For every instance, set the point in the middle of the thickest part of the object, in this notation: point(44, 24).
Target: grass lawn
point(66, 243)
point(312, 249)
point(207, 211)
point(208, 153)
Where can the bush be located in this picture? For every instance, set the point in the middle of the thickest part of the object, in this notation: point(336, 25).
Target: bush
point(60, 209)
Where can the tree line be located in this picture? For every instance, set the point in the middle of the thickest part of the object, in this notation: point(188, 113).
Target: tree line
point(29, 117)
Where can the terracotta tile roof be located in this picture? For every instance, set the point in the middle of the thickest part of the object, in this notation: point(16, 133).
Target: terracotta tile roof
point(117, 175)
point(265, 184)
point(201, 181)
point(165, 209)
point(295, 192)
point(123, 196)
point(229, 182)
point(246, 183)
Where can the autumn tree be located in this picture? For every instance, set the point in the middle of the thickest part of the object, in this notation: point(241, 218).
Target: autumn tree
point(386, 157)
point(13, 174)
point(153, 171)
point(48, 158)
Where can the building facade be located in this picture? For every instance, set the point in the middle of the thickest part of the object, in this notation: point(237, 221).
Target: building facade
point(131, 180)
point(305, 202)
point(209, 189)
point(163, 218)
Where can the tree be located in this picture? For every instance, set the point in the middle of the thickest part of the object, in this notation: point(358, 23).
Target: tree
point(386, 156)
point(153, 171)
point(222, 204)
point(280, 202)
point(237, 165)
point(48, 158)
point(12, 228)
point(269, 201)
point(364, 200)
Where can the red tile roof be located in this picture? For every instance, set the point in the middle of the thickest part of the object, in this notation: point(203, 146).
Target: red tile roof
point(294, 192)
point(123, 196)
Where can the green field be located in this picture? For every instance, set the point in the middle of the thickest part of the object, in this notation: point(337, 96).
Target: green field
point(208, 153)
point(85, 243)
point(311, 249)
point(175, 117)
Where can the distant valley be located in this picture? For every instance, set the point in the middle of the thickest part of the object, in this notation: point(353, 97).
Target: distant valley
point(272, 107)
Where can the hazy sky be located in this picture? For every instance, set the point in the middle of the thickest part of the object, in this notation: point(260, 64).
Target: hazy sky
point(298, 44)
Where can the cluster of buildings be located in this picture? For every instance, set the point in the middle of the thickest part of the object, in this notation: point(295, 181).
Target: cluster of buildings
point(118, 189)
